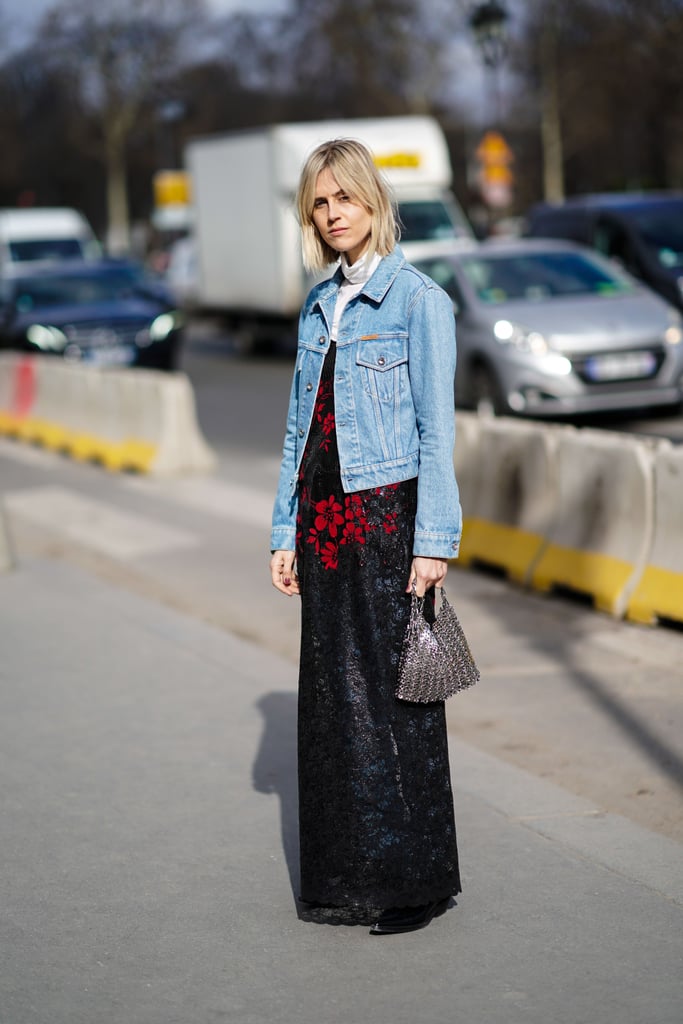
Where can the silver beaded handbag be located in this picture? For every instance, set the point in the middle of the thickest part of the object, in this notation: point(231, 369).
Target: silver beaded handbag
point(436, 660)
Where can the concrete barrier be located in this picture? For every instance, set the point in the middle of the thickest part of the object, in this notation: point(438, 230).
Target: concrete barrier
point(659, 592)
point(139, 420)
point(514, 496)
point(466, 461)
point(602, 531)
point(6, 560)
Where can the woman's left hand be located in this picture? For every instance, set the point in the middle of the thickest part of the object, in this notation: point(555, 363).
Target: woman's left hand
point(426, 572)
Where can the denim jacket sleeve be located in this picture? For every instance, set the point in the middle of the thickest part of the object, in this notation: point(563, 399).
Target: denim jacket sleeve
point(283, 533)
point(432, 357)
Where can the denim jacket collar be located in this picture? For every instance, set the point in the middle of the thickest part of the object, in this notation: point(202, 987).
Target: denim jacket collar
point(378, 285)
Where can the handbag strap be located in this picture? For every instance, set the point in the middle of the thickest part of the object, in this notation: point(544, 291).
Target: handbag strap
point(417, 603)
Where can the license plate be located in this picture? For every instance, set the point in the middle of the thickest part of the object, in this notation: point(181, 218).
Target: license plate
point(110, 355)
point(621, 366)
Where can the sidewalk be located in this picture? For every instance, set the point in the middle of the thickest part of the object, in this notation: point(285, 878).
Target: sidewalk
point(149, 850)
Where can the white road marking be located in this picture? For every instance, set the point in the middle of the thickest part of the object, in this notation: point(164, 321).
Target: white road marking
point(95, 524)
point(214, 497)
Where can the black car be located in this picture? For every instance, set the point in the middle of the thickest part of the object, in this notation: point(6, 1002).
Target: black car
point(104, 313)
point(644, 231)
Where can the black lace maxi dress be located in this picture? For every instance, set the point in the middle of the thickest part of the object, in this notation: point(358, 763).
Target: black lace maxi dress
point(376, 819)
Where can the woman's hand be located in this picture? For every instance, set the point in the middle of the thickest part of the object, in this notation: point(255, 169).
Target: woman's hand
point(282, 573)
point(426, 572)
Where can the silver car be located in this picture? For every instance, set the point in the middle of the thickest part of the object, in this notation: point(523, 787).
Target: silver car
point(550, 328)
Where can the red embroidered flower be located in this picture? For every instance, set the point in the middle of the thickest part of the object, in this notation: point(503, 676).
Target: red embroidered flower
point(328, 423)
point(353, 533)
point(389, 524)
point(329, 555)
point(328, 515)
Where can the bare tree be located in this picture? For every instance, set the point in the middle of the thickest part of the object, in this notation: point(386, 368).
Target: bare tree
point(351, 58)
point(609, 73)
point(118, 57)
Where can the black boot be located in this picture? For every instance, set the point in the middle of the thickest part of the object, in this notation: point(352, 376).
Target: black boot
point(408, 919)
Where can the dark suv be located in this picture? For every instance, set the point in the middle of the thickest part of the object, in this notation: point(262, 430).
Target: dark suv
point(643, 231)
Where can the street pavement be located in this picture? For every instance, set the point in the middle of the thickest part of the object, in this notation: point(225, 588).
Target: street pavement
point(147, 753)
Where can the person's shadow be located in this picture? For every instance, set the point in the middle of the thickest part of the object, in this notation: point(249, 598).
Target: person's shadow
point(275, 771)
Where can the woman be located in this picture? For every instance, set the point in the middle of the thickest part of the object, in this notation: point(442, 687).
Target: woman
point(367, 506)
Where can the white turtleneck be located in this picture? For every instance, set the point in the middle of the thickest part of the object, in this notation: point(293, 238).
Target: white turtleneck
point(355, 276)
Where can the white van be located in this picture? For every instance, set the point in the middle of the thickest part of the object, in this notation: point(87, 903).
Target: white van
point(45, 234)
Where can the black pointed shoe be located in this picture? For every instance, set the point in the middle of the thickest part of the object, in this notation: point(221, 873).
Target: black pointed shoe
point(408, 919)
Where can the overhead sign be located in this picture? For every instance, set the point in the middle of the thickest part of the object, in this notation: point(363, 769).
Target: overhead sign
point(397, 159)
point(171, 188)
point(495, 171)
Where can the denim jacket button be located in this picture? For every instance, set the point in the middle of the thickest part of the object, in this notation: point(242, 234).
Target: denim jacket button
point(301, 433)
point(309, 387)
point(322, 339)
point(381, 361)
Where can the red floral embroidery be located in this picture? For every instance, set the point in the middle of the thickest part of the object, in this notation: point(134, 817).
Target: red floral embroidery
point(338, 521)
point(353, 533)
point(328, 515)
point(329, 555)
point(389, 524)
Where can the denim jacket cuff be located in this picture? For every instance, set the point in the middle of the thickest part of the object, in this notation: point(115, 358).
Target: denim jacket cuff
point(282, 538)
point(435, 545)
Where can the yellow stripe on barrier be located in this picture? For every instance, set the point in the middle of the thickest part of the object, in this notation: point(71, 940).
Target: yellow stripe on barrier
point(659, 593)
point(50, 435)
point(131, 454)
point(497, 544)
point(8, 423)
point(601, 576)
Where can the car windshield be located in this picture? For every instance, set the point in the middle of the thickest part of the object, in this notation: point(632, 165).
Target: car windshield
point(660, 225)
point(538, 276)
point(428, 220)
point(46, 249)
point(77, 289)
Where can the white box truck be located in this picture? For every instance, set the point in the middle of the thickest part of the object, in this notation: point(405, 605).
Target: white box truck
point(247, 254)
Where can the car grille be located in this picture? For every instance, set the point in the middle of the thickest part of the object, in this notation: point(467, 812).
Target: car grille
point(599, 368)
point(96, 335)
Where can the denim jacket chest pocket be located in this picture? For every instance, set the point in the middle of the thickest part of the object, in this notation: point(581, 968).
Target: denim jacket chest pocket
point(383, 363)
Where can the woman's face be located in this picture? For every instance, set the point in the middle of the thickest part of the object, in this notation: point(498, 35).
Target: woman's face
point(341, 222)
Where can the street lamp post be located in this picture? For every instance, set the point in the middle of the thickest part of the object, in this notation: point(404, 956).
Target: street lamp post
point(488, 22)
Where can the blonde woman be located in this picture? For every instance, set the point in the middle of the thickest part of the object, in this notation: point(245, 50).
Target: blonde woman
point(367, 506)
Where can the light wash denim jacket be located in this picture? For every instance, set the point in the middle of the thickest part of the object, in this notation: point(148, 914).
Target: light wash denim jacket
point(393, 395)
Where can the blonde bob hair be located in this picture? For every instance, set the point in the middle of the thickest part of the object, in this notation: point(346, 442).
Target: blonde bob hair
point(354, 170)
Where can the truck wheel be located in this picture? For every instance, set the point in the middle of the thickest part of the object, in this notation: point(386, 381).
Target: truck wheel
point(243, 339)
point(486, 395)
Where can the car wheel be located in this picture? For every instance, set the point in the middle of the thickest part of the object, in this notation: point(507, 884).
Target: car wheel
point(486, 394)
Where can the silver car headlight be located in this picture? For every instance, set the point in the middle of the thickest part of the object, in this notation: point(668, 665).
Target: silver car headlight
point(673, 335)
point(46, 338)
point(508, 333)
